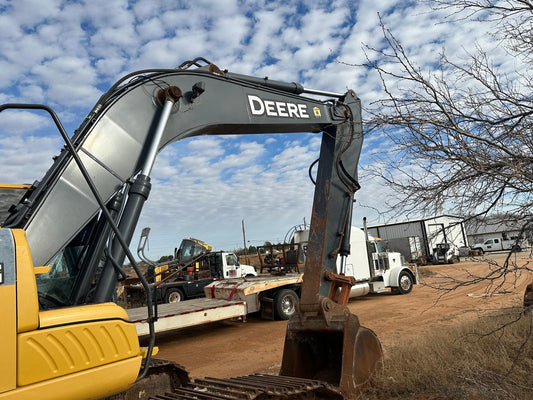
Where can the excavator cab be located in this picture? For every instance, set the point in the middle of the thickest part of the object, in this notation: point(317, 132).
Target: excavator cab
point(191, 248)
point(94, 194)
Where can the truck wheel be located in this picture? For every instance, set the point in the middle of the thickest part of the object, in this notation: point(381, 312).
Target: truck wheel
point(405, 282)
point(285, 303)
point(174, 296)
point(516, 248)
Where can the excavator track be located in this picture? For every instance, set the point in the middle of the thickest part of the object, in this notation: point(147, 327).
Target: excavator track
point(162, 375)
point(253, 387)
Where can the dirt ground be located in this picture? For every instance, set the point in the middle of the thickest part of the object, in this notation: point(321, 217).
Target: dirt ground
point(234, 348)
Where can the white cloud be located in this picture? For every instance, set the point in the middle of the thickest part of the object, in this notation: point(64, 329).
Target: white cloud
point(150, 29)
point(26, 158)
point(29, 13)
point(19, 122)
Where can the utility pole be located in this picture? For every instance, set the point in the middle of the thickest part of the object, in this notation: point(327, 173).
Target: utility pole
point(244, 240)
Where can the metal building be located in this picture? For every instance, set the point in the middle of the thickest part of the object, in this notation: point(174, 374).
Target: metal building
point(416, 239)
point(479, 230)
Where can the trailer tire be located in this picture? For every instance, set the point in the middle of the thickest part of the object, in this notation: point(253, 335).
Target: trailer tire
point(174, 295)
point(405, 283)
point(285, 303)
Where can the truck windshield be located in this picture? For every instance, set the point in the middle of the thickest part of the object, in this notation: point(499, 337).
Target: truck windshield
point(376, 246)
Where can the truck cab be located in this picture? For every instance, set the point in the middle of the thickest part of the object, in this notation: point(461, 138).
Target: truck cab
point(374, 269)
point(226, 265)
point(207, 268)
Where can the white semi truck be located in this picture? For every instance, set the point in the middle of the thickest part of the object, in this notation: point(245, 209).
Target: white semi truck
point(374, 270)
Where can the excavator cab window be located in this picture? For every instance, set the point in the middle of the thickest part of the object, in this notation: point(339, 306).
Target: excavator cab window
point(56, 285)
point(189, 250)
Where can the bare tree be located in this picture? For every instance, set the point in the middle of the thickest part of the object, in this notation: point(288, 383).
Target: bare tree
point(462, 136)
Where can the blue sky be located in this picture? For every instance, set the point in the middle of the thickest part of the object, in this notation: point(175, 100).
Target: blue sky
point(65, 54)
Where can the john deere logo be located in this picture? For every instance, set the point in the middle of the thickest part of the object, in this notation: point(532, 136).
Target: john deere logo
point(272, 108)
point(316, 111)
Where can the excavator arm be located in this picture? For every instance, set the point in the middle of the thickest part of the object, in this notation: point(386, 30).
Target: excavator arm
point(96, 187)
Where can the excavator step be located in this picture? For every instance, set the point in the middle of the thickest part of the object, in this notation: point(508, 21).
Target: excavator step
point(253, 387)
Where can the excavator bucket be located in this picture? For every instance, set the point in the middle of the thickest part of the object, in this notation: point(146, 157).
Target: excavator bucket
point(333, 347)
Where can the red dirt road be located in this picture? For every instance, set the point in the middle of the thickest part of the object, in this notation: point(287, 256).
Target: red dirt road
point(234, 348)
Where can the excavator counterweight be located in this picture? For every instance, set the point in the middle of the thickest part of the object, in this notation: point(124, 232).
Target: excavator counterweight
point(84, 211)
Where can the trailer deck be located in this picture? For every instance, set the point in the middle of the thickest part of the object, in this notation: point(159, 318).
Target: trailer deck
point(187, 313)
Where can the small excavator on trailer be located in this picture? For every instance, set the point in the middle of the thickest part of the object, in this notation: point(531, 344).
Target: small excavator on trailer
point(62, 337)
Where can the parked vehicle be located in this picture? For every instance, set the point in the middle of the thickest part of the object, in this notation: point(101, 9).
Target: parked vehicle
point(444, 253)
point(375, 270)
point(189, 282)
point(193, 267)
point(498, 244)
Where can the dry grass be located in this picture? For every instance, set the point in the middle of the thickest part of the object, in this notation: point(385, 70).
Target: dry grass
point(490, 358)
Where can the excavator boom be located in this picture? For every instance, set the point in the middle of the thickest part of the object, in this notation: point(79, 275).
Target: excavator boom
point(126, 119)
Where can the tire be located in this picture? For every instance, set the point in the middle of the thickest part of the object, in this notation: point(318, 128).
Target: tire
point(405, 283)
point(285, 303)
point(516, 248)
point(480, 250)
point(174, 295)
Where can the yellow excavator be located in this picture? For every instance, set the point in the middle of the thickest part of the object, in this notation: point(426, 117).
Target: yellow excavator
point(62, 337)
